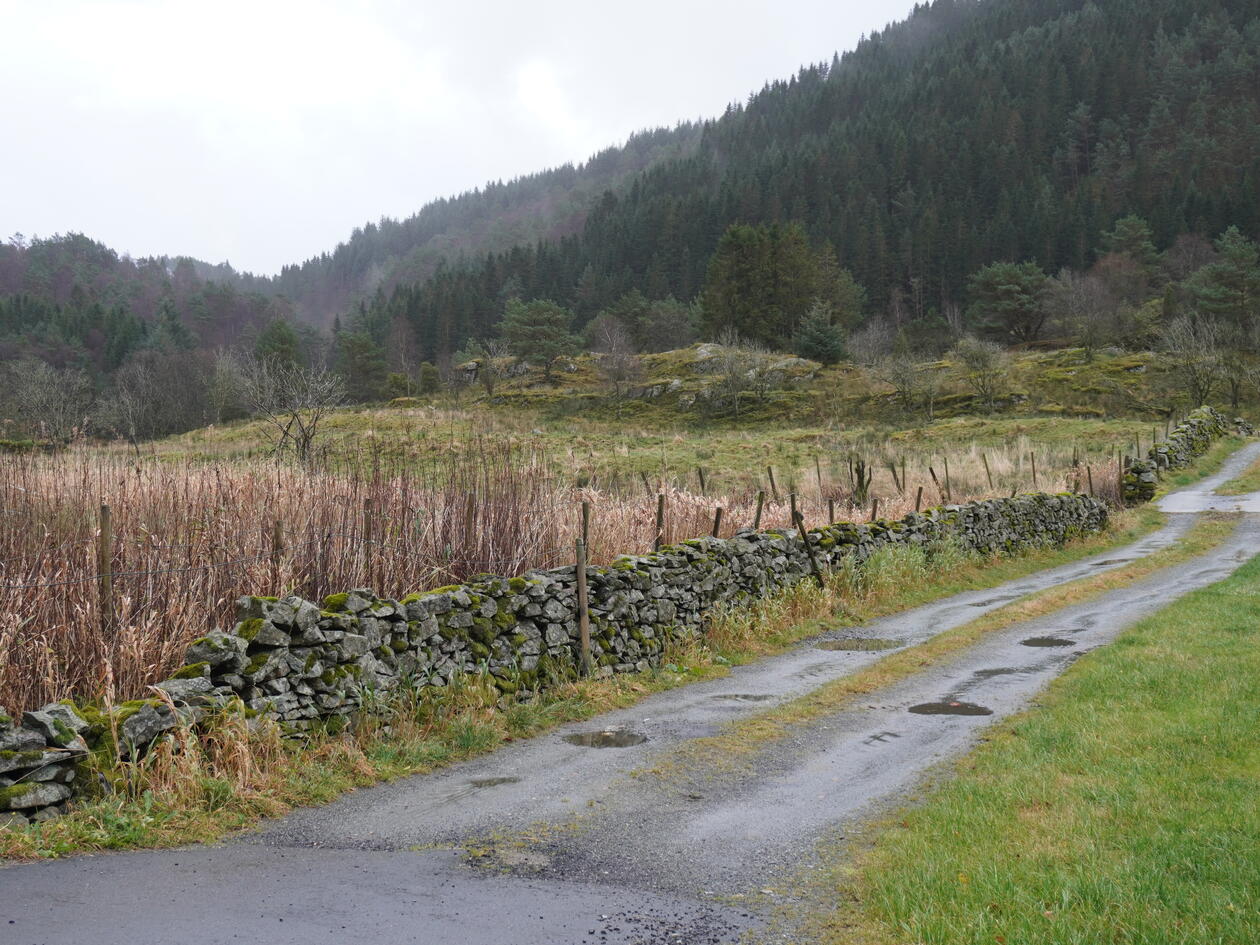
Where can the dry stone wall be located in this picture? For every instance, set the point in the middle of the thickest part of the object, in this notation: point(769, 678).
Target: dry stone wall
point(1191, 438)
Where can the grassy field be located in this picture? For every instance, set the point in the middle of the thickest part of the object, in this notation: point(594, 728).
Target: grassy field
point(1121, 810)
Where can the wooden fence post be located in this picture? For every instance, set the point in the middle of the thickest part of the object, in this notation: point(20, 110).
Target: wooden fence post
point(1032, 457)
point(918, 500)
point(105, 570)
point(646, 485)
point(367, 541)
point(717, 521)
point(584, 615)
point(818, 470)
point(792, 505)
point(703, 486)
point(774, 490)
point(809, 549)
point(831, 511)
point(987, 474)
point(874, 508)
point(761, 501)
point(949, 489)
point(660, 521)
point(586, 524)
point(1089, 474)
point(277, 551)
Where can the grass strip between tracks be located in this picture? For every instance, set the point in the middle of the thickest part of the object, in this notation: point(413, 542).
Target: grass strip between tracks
point(1122, 809)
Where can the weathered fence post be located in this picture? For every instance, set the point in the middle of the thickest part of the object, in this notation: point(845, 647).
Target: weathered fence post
point(809, 549)
point(987, 474)
point(918, 500)
point(1032, 457)
point(1089, 474)
point(660, 521)
point(586, 524)
point(105, 570)
point(761, 501)
point(831, 511)
point(584, 614)
point(717, 521)
point(792, 506)
point(367, 541)
point(949, 489)
point(774, 489)
point(277, 551)
point(703, 486)
point(646, 485)
point(874, 508)
point(818, 470)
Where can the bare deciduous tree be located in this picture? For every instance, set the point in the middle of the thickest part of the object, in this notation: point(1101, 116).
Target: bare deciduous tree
point(1194, 349)
point(48, 402)
point(618, 364)
point(293, 399)
point(984, 365)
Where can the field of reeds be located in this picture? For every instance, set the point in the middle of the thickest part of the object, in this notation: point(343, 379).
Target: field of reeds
point(188, 536)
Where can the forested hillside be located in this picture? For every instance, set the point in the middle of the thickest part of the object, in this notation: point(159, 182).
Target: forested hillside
point(978, 130)
point(1026, 169)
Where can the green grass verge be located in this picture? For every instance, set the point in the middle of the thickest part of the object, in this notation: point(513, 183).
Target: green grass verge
point(1121, 810)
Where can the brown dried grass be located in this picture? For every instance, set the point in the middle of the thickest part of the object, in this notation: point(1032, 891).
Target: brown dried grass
point(190, 538)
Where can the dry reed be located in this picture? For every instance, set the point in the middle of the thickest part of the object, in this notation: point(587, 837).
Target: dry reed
point(189, 538)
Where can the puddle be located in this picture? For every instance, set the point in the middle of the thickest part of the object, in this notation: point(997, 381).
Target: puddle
point(1047, 641)
point(997, 671)
point(743, 697)
point(950, 708)
point(991, 601)
point(492, 782)
point(857, 643)
point(1110, 561)
point(611, 738)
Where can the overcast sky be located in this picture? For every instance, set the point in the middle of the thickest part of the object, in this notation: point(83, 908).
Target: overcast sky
point(262, 132)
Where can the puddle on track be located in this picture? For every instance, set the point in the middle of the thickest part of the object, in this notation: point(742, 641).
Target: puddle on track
point(492, 782)
point(857, 644)
point(743, 697)
point(611, 738)
point(1109, 562)
point(992, 600)
point(950, 708)
point(998, 671)
point(1047, 641)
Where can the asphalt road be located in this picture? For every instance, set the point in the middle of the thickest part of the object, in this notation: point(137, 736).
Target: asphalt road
point(587, 844)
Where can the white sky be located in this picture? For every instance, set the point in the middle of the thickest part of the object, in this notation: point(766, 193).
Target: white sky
point(263, 132)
